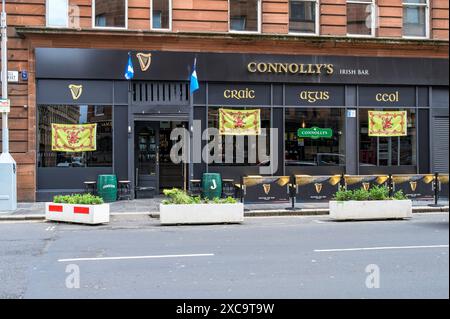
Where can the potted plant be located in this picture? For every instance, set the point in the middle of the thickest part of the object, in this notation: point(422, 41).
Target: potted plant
point(374, 203)
point(180, 208)
point(78, 208)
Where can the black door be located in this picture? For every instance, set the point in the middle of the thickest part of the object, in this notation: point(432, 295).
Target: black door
point(146, 158)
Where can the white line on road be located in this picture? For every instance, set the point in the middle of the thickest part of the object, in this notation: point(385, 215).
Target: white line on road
point(379, 248)
point(134, 257)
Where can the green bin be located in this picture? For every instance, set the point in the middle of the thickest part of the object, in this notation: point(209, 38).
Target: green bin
point(212, 185)
point(107, 188)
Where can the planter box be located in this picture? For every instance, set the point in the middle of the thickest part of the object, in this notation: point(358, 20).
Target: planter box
point(82, 214)
point(201, 214)
point(380, 209)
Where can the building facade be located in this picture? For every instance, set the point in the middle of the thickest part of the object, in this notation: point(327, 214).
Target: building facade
point(304, 64)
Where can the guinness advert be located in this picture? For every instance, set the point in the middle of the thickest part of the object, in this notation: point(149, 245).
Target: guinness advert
point(443, 186)
point(365, 181)
point(312, 95)
point(270, 189)
point(316, 188)
point(414, 186)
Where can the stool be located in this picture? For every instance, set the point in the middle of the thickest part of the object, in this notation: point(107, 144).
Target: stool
point(124, 190)
point(196, 187)
point(228, 188)
point(90, 187)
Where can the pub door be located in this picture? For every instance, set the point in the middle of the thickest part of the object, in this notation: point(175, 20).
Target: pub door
point(146, 159)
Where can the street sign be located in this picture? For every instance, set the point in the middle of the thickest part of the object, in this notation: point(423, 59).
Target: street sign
point(5, 105)
point(315, 132)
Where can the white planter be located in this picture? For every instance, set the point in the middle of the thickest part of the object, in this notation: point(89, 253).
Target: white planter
point(82, 214)
point(201, 214)
point(360, 210)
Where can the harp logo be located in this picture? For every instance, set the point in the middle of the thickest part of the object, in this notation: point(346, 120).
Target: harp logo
point(413, 185)
point(266, 188)
point(366, 186)
point(76, 91)
point(318, 187)
point(145, 60)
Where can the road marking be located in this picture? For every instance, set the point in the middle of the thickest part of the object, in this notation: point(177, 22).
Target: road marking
point(134, 257)
point(50, 228)
point(379, 248)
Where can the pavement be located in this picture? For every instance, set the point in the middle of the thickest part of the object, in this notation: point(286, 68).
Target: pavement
point(36, 211)
point(265, 257)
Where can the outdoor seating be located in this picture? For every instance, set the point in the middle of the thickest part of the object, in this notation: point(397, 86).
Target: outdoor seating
point(124, 190)
point(90, 187)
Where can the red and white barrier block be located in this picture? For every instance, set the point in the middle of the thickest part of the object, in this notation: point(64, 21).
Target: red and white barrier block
point(81, 214)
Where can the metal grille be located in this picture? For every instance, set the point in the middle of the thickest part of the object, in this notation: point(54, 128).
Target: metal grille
point(160, 93)
point(440, 144)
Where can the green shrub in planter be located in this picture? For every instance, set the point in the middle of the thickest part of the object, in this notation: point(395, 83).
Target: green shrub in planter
point(78, 199)
point(375, 193)
point(177, 196)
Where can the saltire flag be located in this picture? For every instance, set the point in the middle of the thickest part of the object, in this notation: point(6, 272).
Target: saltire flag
point(129, 71)
point(194, 79)
point(74, 137)
point(239, 122)
point(388, 123)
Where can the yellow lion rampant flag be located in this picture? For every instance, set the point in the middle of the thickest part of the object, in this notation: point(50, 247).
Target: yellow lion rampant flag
point(74, 137)
point(239, 122)
point(387, 123)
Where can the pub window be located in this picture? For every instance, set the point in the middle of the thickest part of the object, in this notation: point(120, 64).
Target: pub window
point(110, 13)
point(415, 18)
point(247, 146)
point(304, 147)
point(57, 13)
point(245, 15)
point(388, 151)
point(303, 16)
point(161, 14)
point(360, 17)
point(75, 114)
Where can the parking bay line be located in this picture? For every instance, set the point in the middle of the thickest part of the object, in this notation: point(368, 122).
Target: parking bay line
point(379, 248)
point(134, 257)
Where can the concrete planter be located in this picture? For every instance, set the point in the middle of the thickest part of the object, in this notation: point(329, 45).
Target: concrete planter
point(380, 209)
point(81, 214)
point(201, 214)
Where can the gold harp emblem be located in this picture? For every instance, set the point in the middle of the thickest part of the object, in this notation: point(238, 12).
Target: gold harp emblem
point(145, 60)
point(413, 185)
point(319, 187)
point(266, 188)
point(76, 91)
point(366, 186)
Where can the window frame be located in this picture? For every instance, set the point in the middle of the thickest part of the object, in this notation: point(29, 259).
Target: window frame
point(316, 22)
point(109, 28)
point(47, 22)
point(259, 14)
point(170, 18)
point(427, 19)
point(373, 18)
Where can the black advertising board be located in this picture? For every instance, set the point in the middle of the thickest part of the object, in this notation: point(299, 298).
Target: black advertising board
point(354, 182)
point(316, 188)
point(266, 189)
point(239, 94)
point(315, 95)
point(414, 186)
point(443, 186)
point(105, 64)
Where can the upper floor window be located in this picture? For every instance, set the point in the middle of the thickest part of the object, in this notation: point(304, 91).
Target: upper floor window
point(110, 13)
point(415, 18)
point(57, 13)
point(361, 17)
point(303, 16)
point(245, 15)
point(161, 14)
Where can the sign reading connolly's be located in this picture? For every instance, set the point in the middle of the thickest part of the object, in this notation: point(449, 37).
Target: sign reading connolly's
point(290, 68)
point(315, 132)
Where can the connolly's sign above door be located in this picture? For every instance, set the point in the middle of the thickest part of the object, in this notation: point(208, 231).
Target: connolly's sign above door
point(103, 64)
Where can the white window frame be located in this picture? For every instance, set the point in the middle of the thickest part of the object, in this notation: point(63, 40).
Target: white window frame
point(427, 19)
point(48, 25)
point(246, 32)
point(373, 18)
point(110, 28)
point(317, 22)
point(170, 18)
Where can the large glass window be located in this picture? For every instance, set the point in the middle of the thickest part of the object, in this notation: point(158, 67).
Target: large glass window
point(75, 114)
point(110, 13)
point(244, 15)
point(388, 151)
point(57, 13)
point(303, 144)
point(249, 146)
point(302, 16)
point(161, 14)
point(360, 17)
point(415, 18)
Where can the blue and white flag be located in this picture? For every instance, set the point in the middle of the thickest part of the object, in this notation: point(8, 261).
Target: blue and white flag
point(129, 72)
point(194, 79)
